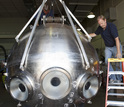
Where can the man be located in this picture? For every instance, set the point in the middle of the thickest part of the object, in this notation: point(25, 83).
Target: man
point(113, 47)
point(46, 12)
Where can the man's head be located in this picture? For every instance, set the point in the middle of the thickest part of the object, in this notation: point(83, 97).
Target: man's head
point(102, 21)
point(45, 7)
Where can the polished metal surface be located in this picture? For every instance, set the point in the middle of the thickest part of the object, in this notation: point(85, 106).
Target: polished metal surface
point(90, 87)
point(18, 89)
point(53, 75)
point(84, 56)
point(21, 87)
point(58, 81)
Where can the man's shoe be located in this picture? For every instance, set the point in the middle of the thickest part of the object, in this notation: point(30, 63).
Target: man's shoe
point(111, 81)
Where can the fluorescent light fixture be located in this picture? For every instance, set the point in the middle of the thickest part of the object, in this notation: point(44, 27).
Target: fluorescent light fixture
point(91, 15)
point(78, 29)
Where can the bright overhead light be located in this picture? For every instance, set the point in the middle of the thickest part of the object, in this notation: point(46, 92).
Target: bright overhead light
point(91, 15)
point(78, 29)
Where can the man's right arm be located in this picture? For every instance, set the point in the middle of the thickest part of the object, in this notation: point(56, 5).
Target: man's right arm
point(92, 34)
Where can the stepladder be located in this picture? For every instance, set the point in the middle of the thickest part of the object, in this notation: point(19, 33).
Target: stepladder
point(115, 90)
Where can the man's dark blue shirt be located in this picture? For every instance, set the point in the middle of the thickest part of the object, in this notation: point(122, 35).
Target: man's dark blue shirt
point(108, 35)
point(50, 13)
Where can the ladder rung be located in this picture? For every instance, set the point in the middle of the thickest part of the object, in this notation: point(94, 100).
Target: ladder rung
point(115, 94)
point(116, 72)
point(115, 87)
point(115, 59)
point(116, 83)
point(115, 103)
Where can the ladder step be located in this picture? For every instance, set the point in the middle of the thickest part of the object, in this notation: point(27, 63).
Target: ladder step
point(115, 103)
point(115, 87)
point(116, 84)
point(116, 72)
point(115, 94)
point(115, 59)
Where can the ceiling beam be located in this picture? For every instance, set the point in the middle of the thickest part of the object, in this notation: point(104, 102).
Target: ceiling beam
point(7, 36)
point(81, 16)
point(82, 11)
point(90, 4)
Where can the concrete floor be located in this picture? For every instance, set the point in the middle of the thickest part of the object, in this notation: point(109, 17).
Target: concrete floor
point(7, 101)
point(5, 98)
point(99, 99)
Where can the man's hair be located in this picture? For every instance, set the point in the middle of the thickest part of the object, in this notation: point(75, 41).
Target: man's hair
point(101, 17)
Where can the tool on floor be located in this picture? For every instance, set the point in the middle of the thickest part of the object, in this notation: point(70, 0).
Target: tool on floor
point(117, 86)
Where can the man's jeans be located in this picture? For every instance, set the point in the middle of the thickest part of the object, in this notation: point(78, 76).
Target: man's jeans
point(109, 52)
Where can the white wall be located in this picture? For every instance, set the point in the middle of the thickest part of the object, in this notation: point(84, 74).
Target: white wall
point(120, 20)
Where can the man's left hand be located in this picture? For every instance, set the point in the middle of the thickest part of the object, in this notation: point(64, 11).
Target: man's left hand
point(118, 55)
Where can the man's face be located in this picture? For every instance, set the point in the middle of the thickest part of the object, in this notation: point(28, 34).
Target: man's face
point(102, 23)
point(45, 7)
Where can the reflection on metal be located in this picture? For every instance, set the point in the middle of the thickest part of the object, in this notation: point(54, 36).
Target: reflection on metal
point(31, 36)
point(52, 69)
point(76, 34)
point(87, 85)
point(20, 88)
point(53, 73)
point(55, 79)
point(51, 20)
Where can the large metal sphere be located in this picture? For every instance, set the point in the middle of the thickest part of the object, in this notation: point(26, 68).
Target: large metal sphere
point(53, 75)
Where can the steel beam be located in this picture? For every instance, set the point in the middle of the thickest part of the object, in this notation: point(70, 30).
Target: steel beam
point(90, 4)
point(82, 11)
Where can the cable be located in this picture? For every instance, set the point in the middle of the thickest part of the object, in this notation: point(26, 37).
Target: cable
point(4, 50)
point(58, 8)
point(51, 9)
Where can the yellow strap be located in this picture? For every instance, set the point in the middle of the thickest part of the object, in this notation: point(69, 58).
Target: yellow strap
point(115, 59)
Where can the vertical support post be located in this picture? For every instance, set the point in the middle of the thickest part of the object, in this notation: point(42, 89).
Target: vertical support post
point(123, 70)
point(107, 84)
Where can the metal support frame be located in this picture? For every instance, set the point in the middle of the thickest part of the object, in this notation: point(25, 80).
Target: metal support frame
point(76, 34)
point(88, 36)
point(81, 3)
point(68, 12)
point(31, 35)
